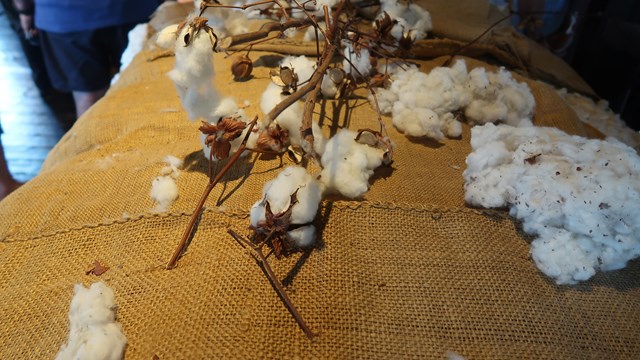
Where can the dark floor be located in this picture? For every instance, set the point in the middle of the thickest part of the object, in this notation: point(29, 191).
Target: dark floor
point(30, 127)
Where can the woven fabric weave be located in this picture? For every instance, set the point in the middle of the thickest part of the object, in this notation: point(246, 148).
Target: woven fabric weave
point(407, 272)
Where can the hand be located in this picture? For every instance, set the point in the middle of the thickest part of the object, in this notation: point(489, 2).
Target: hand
point(28, 26)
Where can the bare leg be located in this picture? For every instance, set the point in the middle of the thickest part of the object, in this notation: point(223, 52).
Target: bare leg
point(7, 183)
point(84, 99)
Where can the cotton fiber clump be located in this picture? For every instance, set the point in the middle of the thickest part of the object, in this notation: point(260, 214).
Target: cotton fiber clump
point(94, 333)
point(291, 118)
point(348, 165)
point(277, 193)
point(497, 96)
point(424, 104)
point(599, 115)
point(225, 21)
point(580, 197)
point(356, 62)
point(164, 190)
point(412, 21)
point(193, 74)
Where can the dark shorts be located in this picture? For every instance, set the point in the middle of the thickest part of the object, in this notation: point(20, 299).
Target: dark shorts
point(84, 60)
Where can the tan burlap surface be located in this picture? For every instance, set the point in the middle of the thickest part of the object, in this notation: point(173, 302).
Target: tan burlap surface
point(408, 272)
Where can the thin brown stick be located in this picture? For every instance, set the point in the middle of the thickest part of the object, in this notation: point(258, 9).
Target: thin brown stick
point(212, 183)
point(261, 259)
point(262, 33)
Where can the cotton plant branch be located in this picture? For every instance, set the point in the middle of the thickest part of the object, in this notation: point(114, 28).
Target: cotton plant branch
point(212, 183)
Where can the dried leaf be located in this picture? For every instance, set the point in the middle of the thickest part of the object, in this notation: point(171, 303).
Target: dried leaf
point(97, 269)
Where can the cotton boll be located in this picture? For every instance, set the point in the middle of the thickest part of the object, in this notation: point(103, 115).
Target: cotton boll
point(193, 75)
point(164, 191)
point(579, 197)
point(411, 19)
point(278, 193)
point(348, 165)
point(356, 63)
point(303, 66)
point(94, 334)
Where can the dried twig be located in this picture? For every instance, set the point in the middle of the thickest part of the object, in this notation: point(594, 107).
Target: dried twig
point(261, 259)
point(212, 183)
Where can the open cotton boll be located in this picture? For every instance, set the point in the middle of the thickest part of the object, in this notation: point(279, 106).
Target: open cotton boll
point(278, 193)
point(193, 75)
point(600, 116)
point(303, 66)
point(356, 63)
point(291, 118)
point(580, 197)
point(348, 165)
point(410, 19)
point(93, 334)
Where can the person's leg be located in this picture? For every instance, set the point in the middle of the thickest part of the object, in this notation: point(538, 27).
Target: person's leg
point(85, 99)
point(77, 62)
point(7, 182)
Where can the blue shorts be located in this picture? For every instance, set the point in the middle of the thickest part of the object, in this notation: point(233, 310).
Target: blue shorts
point(84, 60)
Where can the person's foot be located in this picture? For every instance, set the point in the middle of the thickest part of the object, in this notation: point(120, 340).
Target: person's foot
point(7, 187)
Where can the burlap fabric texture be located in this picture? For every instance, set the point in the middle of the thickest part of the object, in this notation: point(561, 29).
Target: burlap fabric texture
point(407, 272)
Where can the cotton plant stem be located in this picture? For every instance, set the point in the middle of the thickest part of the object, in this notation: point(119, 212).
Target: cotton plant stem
point(262, 33)
point(261, 259)
point(212, 183)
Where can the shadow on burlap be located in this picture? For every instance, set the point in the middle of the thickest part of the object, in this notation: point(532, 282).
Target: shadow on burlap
point(407, 272)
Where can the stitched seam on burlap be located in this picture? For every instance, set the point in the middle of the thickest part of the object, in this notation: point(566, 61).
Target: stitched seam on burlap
point(240, 214)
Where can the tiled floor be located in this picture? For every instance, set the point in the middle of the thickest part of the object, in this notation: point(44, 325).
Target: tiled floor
point(30, 127)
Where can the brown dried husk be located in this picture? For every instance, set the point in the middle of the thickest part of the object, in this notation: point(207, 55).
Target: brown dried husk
point(407, 272)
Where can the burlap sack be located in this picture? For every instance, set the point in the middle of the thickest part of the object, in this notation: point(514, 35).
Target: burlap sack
point(407, 272)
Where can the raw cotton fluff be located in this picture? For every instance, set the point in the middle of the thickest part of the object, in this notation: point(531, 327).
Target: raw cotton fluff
point(291, 118)
point(94, 333)
point(600, 116)
point(423, 104)
point(356, 62)
point(303, 66)
point(412, 20)
point(498, 97)
point(225, 21)
point(193, 75)
point(164, 190)
point(278, 193)
point(580, 197)
point(348, 165)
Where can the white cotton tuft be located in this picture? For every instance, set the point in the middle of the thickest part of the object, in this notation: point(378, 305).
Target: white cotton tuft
point(164, 191)
point(348, 165)
point(302, 65)
point(94, 334)
point(291, 118)
point(600, 116)
point(303, 237)
point(166, 38)
point(356, 62)
point(423, 104)
point(411, 19)
point(580, 197)
point(277, 193)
